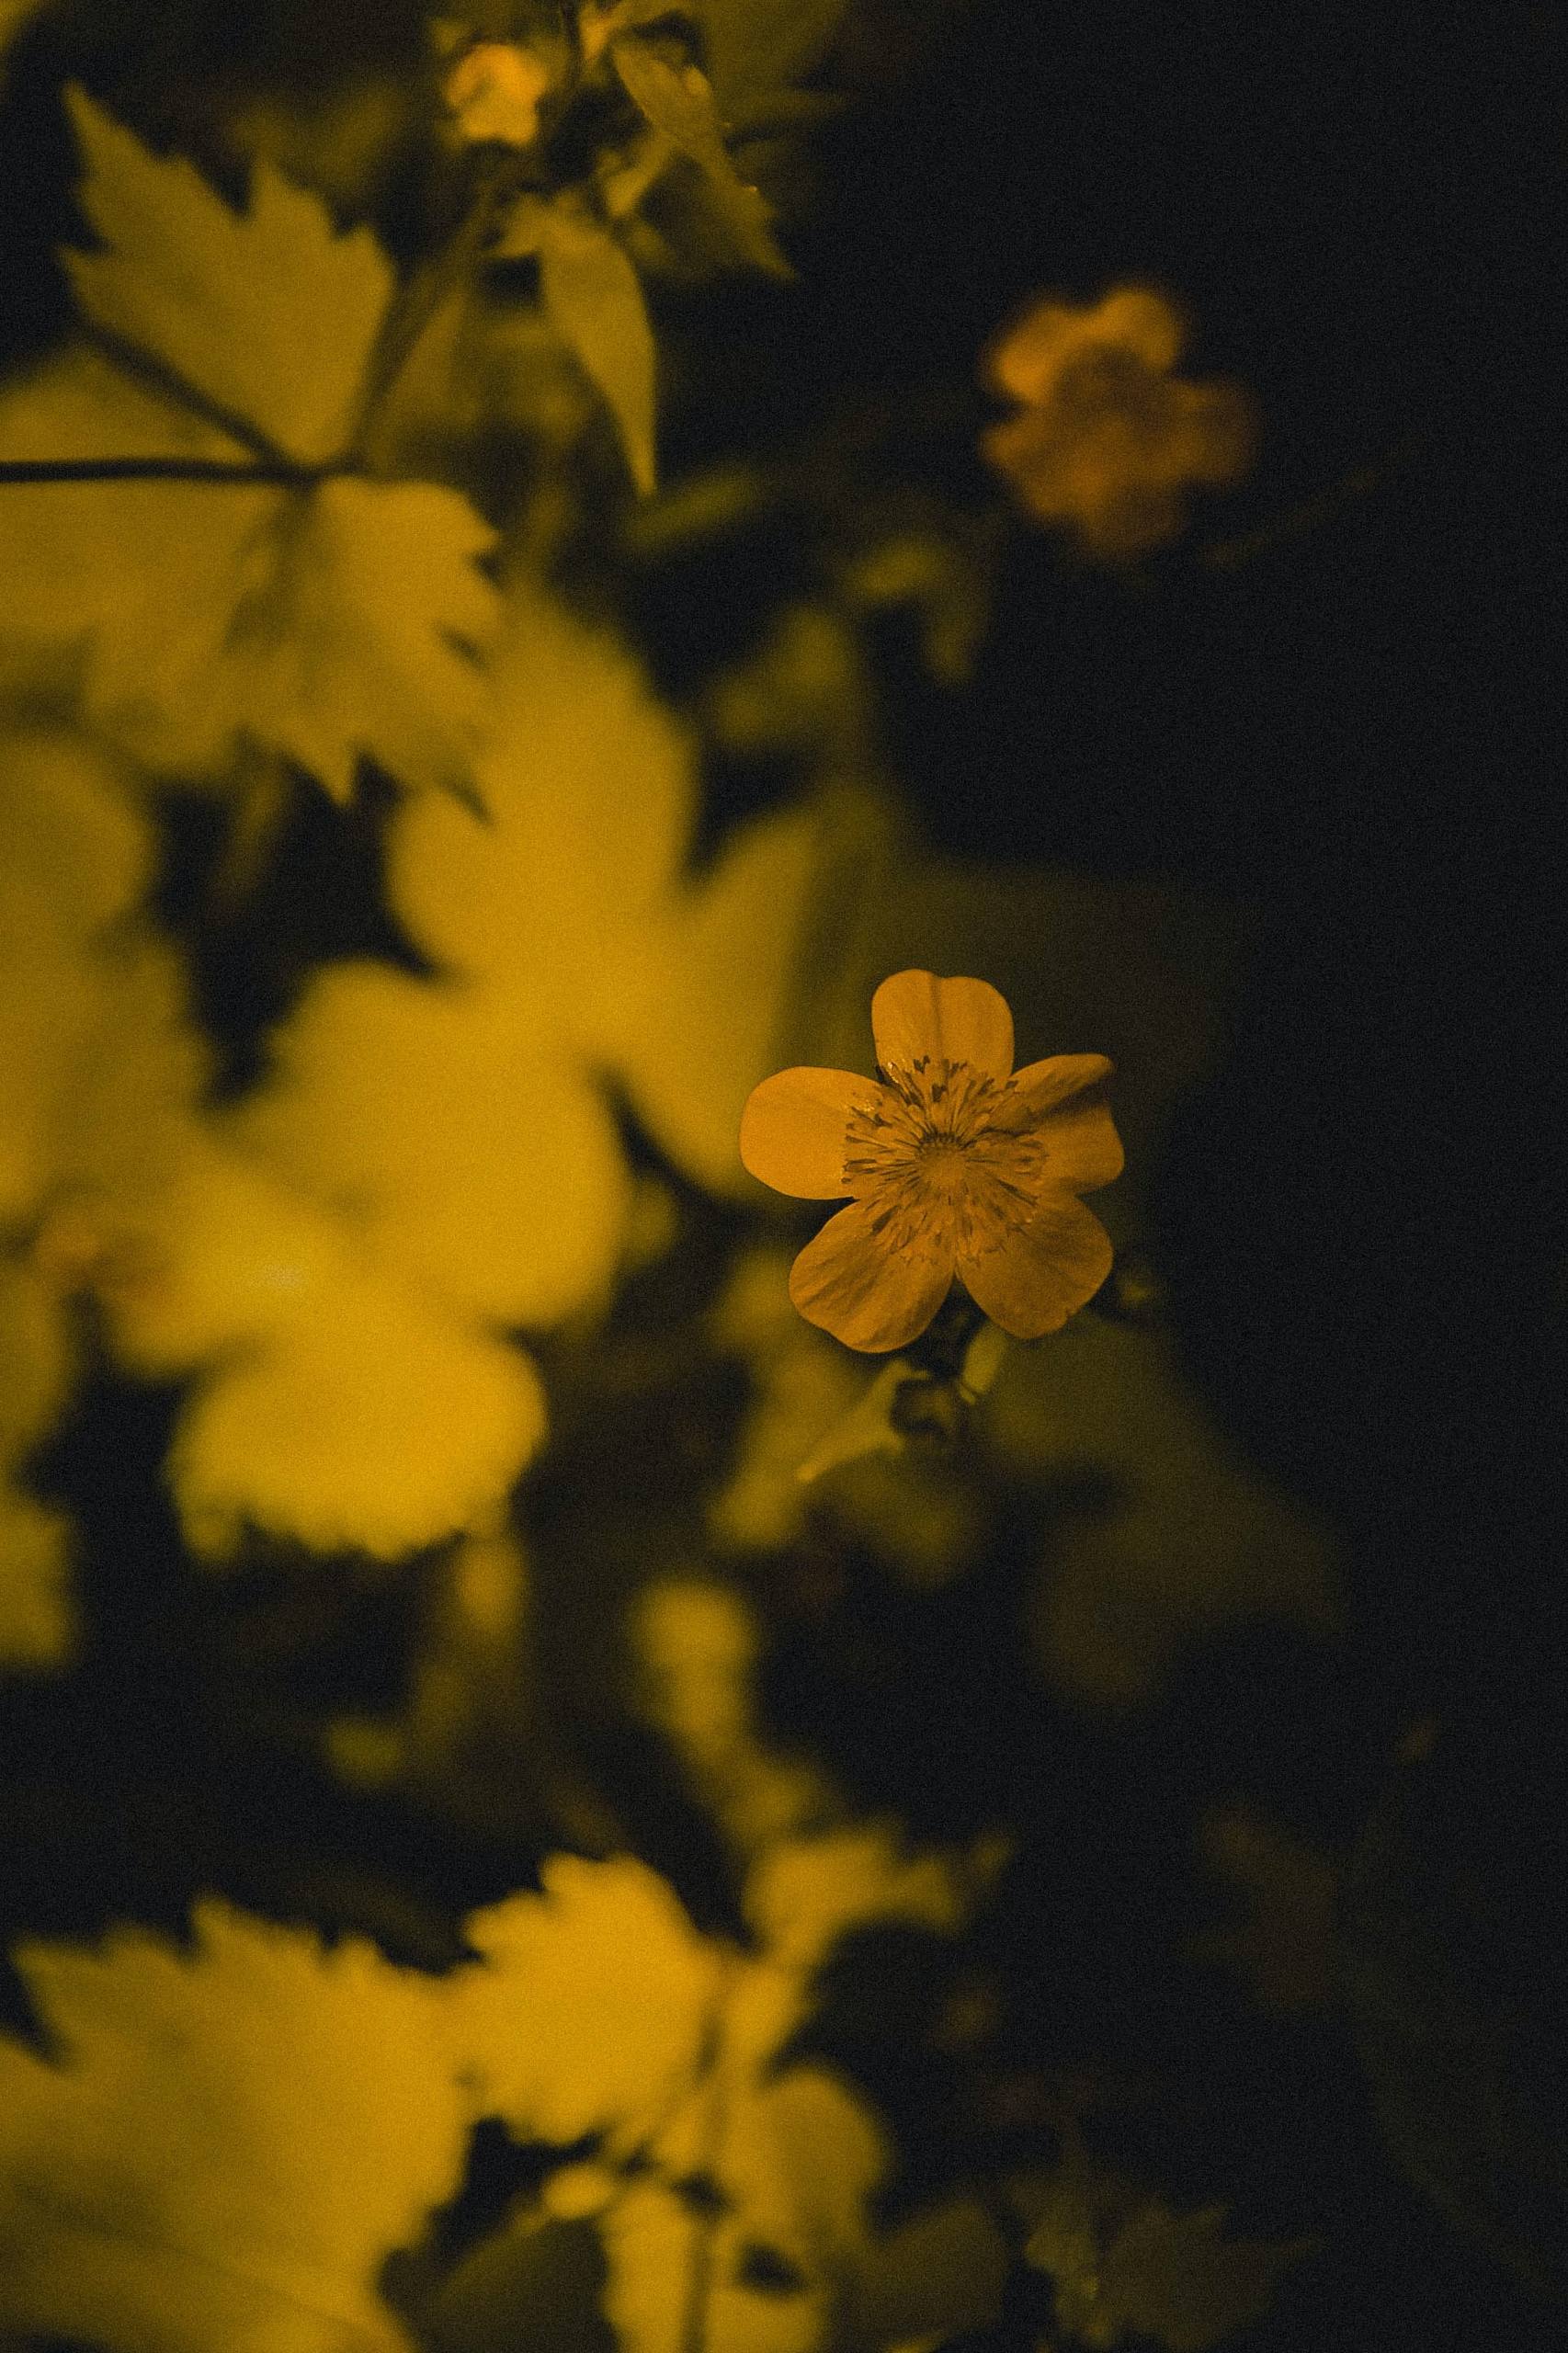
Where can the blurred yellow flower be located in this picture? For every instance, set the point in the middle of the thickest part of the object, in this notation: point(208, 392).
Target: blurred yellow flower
point(954, 1163)
point(494, 91)
point(1107, 438)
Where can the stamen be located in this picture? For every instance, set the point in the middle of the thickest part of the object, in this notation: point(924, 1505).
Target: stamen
point(942, 1152)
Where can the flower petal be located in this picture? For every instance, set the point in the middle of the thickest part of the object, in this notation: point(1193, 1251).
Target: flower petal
point(1042, 1273)
point(792, 1130)
point(1044, 1085)
point(968, 1021)
point(1073, 1122)
point(849, 1282)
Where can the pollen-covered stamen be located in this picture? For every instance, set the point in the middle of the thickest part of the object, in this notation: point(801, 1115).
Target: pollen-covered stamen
point(944, 1154)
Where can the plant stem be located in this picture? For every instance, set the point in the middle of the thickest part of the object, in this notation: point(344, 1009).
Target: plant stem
point(208, 470)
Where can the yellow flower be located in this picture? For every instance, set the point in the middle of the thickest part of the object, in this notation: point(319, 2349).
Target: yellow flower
point(1107, 438)
point(954, 1163)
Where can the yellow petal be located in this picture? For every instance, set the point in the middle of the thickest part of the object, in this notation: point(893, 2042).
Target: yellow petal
point(792, 1130)
point(967, 1022)
point(1044, 1085)
point(872, 1298)
point(1040, 1274)
point(1075, 1125)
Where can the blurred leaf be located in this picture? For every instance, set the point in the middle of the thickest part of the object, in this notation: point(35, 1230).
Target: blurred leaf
point(1173, 2276)
point(804, 1894)
point(779, 2242)
point(37, 1618)
point(228, 2144)
point(590, 2006)
point(326, 623)
point(1285, 1949)
point(72, 839)
point(757, 48)
point(705, 993)
point(592, 298)
point(536, 2289)
point(1125, 2265)
point(681, 103)
point(370, 1421)
point(482, 1160)
point(570, 905)
point(271, 315)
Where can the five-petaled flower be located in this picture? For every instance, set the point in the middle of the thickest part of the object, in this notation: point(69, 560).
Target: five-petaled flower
point(954, 1164)
point(1107, 438)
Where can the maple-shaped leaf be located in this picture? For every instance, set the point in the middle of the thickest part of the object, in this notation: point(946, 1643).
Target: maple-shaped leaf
point(590, 785)
point(327, 623)
point(332, 622)
point(680, 102)
point(227, 2143)
point(570, 905)
point(271, 315)
point(593, 299)
point(591, 2004)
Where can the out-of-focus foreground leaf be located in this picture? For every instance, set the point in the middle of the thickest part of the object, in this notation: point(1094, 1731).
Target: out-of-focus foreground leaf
point(227, 2143)
point(680, 103)
point(593, 299)
point(271, 315)
point(329, 621)
point(757, 48)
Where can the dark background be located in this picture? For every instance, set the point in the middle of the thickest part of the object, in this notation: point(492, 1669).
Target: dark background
point(1326, 703)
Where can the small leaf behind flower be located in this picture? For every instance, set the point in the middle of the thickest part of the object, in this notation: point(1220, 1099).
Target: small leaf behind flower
point(593, 299)
point(757, 48)
point(680, 102)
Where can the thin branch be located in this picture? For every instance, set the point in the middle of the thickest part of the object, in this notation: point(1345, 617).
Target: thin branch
point(210, 470)
point(179, 390)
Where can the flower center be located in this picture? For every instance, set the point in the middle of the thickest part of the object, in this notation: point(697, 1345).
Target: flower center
point(948, 1155)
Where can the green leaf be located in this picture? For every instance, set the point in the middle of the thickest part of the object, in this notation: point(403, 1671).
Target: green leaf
point(757, 48)
point(680, 102)
point(269, 315)
point(592, 298)
point(324, 623)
